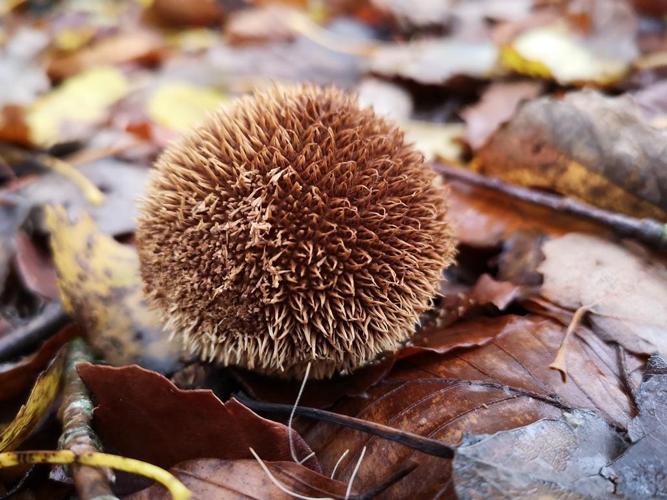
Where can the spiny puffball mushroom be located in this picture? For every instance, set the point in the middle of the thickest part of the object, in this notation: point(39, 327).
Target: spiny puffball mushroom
point(293, 227)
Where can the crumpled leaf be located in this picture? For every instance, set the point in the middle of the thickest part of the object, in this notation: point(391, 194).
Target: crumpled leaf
point(435, 61)
point(214, 478)
point(437, 141)
point(101, 287)
point(496, 106)
point(503, 384)
point(551, 458)
point(180, 106)
point(142, 415)
point(121, 182)
point(626, 292)
point(16, 376)
point(36, 270)
point(42, 396)
point(573, 146)
point(77, 104)
point(601, 54)
point(640, 471)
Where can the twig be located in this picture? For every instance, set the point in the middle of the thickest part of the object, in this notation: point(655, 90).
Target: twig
point(649, 231)
point(76, 413)
point(409, 439)
point(20, 340)
point(625, 379)
point(560, 361)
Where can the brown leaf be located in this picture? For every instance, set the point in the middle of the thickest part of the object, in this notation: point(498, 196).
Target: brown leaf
point(625, 289)
point(496, 106)
point(504, 384)
point(573, 146)
point(17, 376)
point(36, 270)
point(222, 479)
point(140, 414)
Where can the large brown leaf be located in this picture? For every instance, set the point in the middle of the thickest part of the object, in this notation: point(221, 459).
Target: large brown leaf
point(501, 385)
point(140, 414)
point(597, 148)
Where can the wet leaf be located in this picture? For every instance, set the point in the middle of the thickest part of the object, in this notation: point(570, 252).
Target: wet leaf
point(180, 106)
point(142, 415)
point(15, 377)
point(435, 61)
point(572, 146)
point(551, 458)
point(626, 290)
point(213, 479)
point(77, 104)
point(640, 471)
point(42, 396)
point(503, 384)
point(100, 286)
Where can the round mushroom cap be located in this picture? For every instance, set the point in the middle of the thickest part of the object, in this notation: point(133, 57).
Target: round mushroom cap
point(293, 227)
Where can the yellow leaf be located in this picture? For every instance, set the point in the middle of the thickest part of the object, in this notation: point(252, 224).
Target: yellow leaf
point(555, 51)
point(101, 287)
point(179, 106)
point(41, 397)
point(436, 141)
point(81, 99)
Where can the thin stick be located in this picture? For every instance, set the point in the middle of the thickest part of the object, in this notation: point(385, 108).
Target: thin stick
point(354, 473)
point(625, 379)
point(281, 486)
point(38, 329)
point(649, 231)
point(409, 439)
point(340, 459)
point(290, 432)
point(560, 361)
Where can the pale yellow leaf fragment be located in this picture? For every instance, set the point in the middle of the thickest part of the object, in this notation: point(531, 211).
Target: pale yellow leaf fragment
point(179, 106)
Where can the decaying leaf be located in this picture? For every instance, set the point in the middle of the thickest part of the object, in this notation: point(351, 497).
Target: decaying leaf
point(551, 458)
point(77, 104)
point(214, 478)
point(435, 61)
point(42, 396)
point(625, 290)
point(597, 148)
point(640, 471)
point(501, 385)
point(100, 286)
point(142, 415)
point(180, 106)
point(437, 141)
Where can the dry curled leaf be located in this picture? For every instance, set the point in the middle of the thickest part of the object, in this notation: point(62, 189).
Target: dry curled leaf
point(100, 286)
point(142, 415)
point(217, 479)
point(574, 146)
point(625, 290)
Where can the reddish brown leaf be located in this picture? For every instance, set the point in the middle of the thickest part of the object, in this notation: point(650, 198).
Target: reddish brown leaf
point(501, 385)
point(222, 479)
point(141, 414)
point(16, 377)
point(36, 270)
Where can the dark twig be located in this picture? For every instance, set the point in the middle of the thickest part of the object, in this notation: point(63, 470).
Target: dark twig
point(649, 231)
point(76, 413)
point(25, 337)
point(625, 379)
point(409, 439)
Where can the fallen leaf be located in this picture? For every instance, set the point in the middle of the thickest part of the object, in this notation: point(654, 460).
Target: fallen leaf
point(572, 146)
point(260, 24)
point(101, 287)
point(218, 479)
point(140, 414)
point(501, 385)
point(625, 289)
point(36, 270)
point(135, 46)
point(42, 396)
point(435, 61)
point(386, 98)
point(640, 471)
point(437, 141)
point(551, 458)
point(193, 13)
point(76, 105)
point(180, 106)
point(16, 376)
point(496, 106)
point(21, 77)
point(122, 184)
